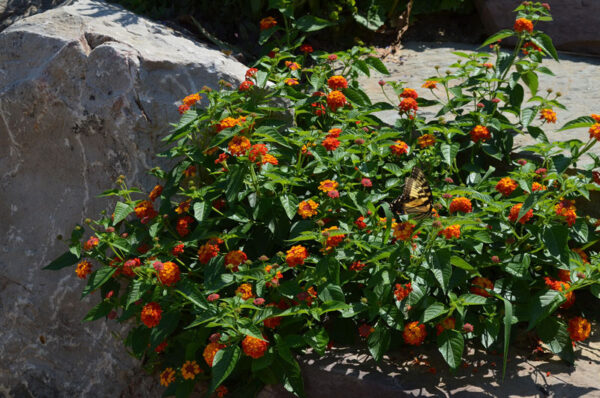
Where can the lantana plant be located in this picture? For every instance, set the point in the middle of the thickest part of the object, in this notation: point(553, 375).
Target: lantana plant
point(274, 231)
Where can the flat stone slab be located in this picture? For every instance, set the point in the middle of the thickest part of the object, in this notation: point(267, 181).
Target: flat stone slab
point(577, 78)
point(421, 372)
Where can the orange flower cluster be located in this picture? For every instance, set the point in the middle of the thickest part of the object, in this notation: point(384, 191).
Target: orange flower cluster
point(210, 351)
point(239, 145)
point(229, 122)
point(479, 286)
point(328, 185)
point(566, 209)
point(246, 85)
point(290, 81)
point(446, 324)
point(402, 291)
point(506, 186)
point(564, 275)
point(296, 256)
point(190, 369)
point(403, 230)
point(360, 222)
point(235, 258)
point(536, 186)
point(579, 328)
point(292, 65)
point(530, 47)
point(453, 231)
point(91, 243)
point(257, 152)
point(365, 330)
point(399, 148)
point(357, 266)
point(561, 286)
point(330, 143)
point(595, 132)
point(183, 207)
point(426, 140)
point(151, 314)
point(169, 273)
point(183, 225)
point(307, 208)
point(523, 25)
point(221, 391)
point(480, 133)
point(207, 251)
point(408, 104)
point(83, 269)
point(250, 73)
point(514, 213)
point(337, 82)
point(188, 102)
point(430, 84)
point(595, 117)
point(254, 347)
point(336, 99)
point(333, 241)
point(155, 193)
point(409, 93)
point(245, 291)
point(167, 377)
point(145, 211)
point(461, 204)
point(414, 333)
point(267, 23)
point(548, 115)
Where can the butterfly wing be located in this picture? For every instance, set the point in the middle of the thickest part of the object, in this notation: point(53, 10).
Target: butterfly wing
point(417, 198)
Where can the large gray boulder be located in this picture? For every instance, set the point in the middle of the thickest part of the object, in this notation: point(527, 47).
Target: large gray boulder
point(86, 92)
point(14, 10)
point(574, 28)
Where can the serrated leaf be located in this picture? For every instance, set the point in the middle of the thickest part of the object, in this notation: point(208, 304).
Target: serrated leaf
point(65, 260)
point(449, 152)
point(201, 210)
point(376, 64)
point(379, 342)
point(433, 311)
point(97, 279)
point(583, 121)
point(122, 210)
point(545, 42)
point(357, 96)
point(461, 263)
point(224, 363)
point(290, 204)
point(100, 310)
point(451, 345)
point(503, 34)
point(309, 23)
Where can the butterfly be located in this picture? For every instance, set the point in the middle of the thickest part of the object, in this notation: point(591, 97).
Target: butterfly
point(416, 198)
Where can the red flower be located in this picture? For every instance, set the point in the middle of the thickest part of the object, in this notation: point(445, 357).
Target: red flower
point(400, 148)
point(408, 104)
point(183, 225)
point(461, 204)
point(479, 284)
point(514, 213)
point(480, 133)
point(360, 223)
point(306, 48)
point(331, 143)
point(402, 291)
point(336, 99)
point(409, 93)
point(337, 82)
point(250, 73)
point(365, 330)
point(151, 314)
point(522, 25)
point(246, 85)
point(366, 183)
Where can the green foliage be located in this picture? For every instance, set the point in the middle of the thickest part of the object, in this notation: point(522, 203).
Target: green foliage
point(273, 232)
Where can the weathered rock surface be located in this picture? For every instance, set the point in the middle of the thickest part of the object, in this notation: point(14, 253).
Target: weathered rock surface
point(14, 10)
point(574, 28)
point(86, 92)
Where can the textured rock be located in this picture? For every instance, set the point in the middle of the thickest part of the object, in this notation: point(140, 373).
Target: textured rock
point(86, 92)
point(14, 10)
point(574, 28)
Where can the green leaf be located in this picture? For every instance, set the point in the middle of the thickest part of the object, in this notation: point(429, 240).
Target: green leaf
point(516, 96)
point(554, 332)
point(234, 182)
point(122, 210)
point(309, 23)
point(379, 342)
point(168, 324)
point(100, 310)
point(63, 261)
point(507, 328)
point(332, 293)
point(190, 291)
point(449, 152)
point(451, 345)
point(555, 238)
point(376, 64)
point(442, 269)
point(542, 305)
point(545, 42)
point(461, 263)
point(527, 116)
point(317, 339)
point(98, 278)
point(290, 204)
point(583, 121)
point(223, 364)
point(433, 311)
point(266, 34)
point(503, 34)
point(292, 378)
point(357, 96)
point(201, 210)
point(531, 80)
point(136, 292)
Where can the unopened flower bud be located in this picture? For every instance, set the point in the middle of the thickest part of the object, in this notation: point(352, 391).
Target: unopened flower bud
point(480, 105)
point(558, 94)
point(359, 141)
point(263, 258)
point(549, 90)
point(364, 300)
point(495, 259)
point(213, 297)
point(124, 235)
point(110, 230)
point(496, 100)
point(259, 301)
point(382, 83)
point(522, 162)
point(449, 180)
point(215, 337)
point(446, 196)
point(87, 221)
point(467, 328)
